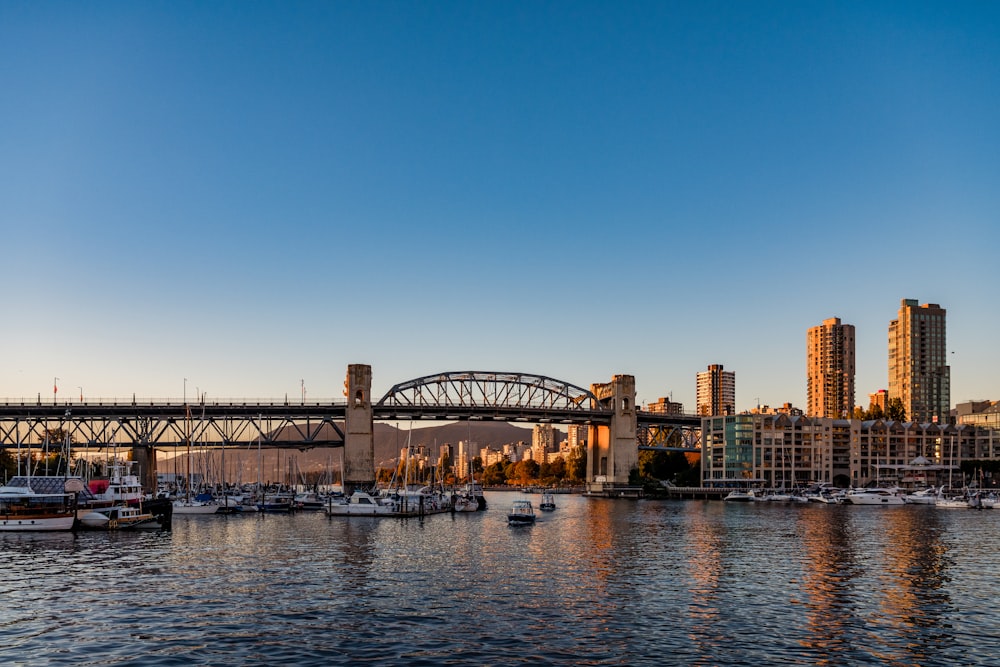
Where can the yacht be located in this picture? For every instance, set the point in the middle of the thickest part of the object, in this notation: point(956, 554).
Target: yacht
point(874, 496)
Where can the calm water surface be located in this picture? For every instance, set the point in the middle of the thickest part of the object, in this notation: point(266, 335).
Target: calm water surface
point(597, 582)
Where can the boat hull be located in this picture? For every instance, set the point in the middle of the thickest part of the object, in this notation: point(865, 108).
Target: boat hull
point(41, 523)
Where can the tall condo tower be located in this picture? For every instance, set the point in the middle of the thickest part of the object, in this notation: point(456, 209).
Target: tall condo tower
point(919, 374)
point(830, 369)
point(716, 391)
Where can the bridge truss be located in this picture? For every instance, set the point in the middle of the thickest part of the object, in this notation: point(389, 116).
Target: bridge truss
point(208, 425)
point(491, 395)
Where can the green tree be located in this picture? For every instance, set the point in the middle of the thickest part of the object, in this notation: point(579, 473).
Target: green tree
point(895, 410)
point(8, 463)
point(494, 475)
point(576, 464)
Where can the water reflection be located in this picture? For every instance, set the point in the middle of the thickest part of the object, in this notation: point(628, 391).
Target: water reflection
point(830, 567)
point(704, 544)
point(594, 583)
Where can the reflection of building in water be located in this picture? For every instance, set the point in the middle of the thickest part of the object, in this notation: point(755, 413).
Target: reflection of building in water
point(881, 573)
point(911, 563)
point(703, 541)
point(827, 583)
point(786, 450)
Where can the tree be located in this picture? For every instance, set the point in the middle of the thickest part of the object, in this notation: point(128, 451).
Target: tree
point(8, 463)
point(895, 410)
point(494, 475)
point(576, 464)
point(526, 471)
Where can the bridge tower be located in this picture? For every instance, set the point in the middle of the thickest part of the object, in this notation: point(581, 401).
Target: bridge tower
point(359, 438)
point(611, 450)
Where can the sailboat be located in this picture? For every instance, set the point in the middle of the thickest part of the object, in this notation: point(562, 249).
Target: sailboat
point(952, 501)
point(189, 505)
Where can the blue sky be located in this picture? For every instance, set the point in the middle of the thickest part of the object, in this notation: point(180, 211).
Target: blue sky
point(254, 195)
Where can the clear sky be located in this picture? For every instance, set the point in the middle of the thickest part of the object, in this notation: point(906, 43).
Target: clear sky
point(254, 195)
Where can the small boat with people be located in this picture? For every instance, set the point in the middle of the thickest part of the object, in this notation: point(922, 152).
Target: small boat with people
point(521, 513)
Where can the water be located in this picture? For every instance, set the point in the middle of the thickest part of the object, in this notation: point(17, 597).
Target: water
point(597, 582)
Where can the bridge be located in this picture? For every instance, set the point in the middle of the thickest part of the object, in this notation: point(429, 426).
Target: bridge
point(617, 430)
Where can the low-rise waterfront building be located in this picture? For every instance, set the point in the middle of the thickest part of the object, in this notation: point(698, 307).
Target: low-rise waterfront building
point(788, 451)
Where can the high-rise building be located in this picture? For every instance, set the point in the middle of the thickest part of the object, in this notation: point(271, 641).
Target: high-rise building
point(716, 392)
point(919, 374)
point(830, 369)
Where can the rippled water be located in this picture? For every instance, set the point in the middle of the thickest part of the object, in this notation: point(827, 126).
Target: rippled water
point(596, 582)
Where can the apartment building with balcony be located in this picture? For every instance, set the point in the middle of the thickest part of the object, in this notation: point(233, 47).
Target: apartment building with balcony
point(830, 369)
point(919, 374)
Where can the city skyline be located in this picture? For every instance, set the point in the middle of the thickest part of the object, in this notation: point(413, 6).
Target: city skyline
point(252, 197)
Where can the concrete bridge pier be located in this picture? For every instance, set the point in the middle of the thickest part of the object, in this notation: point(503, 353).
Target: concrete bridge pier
point(611, 450)
point(145, 458)
point(359, 429)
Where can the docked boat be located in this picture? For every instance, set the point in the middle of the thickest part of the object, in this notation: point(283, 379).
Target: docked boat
point(521, 513)
point(475, 490)
point(947, 502)
point(926, 496)
point(397, 503)
point(24, 509)
point(465, 503)
point(121, 517)
point(548, 502)
point(360, 503)
point(123, 486)
point(309, 500)
point(203, 503)
point(741, 496)
point(873, 496)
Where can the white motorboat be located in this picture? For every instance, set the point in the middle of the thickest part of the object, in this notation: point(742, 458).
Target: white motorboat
point(741, 496)
point(926, 496)
point(874, 496)
point(952, 502)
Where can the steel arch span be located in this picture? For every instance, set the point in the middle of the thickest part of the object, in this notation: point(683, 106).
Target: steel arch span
point(491, 390)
